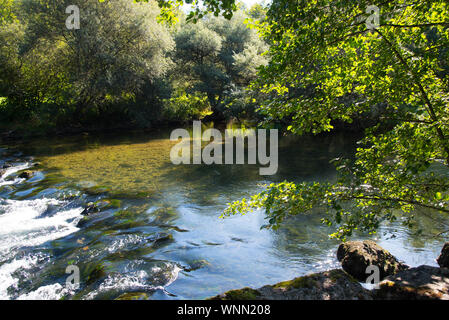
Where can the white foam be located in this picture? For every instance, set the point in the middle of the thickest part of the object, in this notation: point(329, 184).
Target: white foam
point(132, 281)
point(135, 280)
point(6, 271)
point(21, 225)
point(51, 292)
point(10, 171)
point(124, 242)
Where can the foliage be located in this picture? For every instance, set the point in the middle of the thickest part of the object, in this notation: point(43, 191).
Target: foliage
point(119, 48)
point(327, 65)
point(122, 65)
point(184, 107)
point(199, 9)
point(216, 56)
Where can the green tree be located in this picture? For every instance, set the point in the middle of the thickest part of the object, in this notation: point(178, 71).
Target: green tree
point(328, 64)
point(118, 49)
point(217, 55)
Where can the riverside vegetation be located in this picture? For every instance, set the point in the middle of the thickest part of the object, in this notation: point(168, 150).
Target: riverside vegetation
point(373, 100)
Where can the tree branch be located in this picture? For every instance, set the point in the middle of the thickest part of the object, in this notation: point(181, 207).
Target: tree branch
point(424, 96)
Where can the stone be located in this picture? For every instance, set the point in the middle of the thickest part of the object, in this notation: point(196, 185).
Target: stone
point(133, 296)
point(90, 209)
point(328, 285)
point(420, 283)
point(26, 174)
point(356, 256)
point(443, 259)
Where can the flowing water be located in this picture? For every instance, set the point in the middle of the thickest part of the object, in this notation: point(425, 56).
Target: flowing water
point(158, 234)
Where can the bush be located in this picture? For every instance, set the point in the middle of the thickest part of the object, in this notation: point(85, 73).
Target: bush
point(184, 107)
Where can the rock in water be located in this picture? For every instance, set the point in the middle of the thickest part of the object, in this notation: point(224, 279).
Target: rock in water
point(26, 174)
point(90, 209)
point(356, 256)
point(420, 283)
point(327, 285)
point(443, 259)
point(133, 296)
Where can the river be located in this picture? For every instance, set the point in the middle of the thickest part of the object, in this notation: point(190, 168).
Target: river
point(159, 234)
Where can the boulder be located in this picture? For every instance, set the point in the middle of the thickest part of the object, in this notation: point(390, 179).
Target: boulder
point(356, 256)
point(327, 285)
point(443, 259)
point(420, 283)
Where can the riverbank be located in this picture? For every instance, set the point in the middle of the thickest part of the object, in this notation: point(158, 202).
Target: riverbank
point(397, 280)
point(16, 132)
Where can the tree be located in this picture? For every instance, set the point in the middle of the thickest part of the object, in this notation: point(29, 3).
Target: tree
point(117, 50)
point(11, 32)
point(327, 63)
point(226, 8)
point(217, 55)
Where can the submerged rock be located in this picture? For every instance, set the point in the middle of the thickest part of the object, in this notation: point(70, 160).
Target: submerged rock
point(90, 209)
point(98, 272)
point(94, 207)
point(160, 238)
point(443, 259)
point(27, 174)
point(420, 283)
point(196, 264)
point(133, 296)
point(327, 285)
point(356, 256)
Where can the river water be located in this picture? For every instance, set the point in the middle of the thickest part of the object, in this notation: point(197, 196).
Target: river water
point(158, 234)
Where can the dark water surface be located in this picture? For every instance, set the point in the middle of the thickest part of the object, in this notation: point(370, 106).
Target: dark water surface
point(158, 234)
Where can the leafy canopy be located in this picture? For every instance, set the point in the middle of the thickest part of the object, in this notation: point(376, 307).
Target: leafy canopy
point(199, 8)
point(327, 64)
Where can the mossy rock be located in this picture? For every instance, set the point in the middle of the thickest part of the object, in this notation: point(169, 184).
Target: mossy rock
point(106, 204)
point(297, 283)
point(197, 264)
point(357, 256)
point(328, 285)
point(133, 296)
point(240, 294)
point(420, 283)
